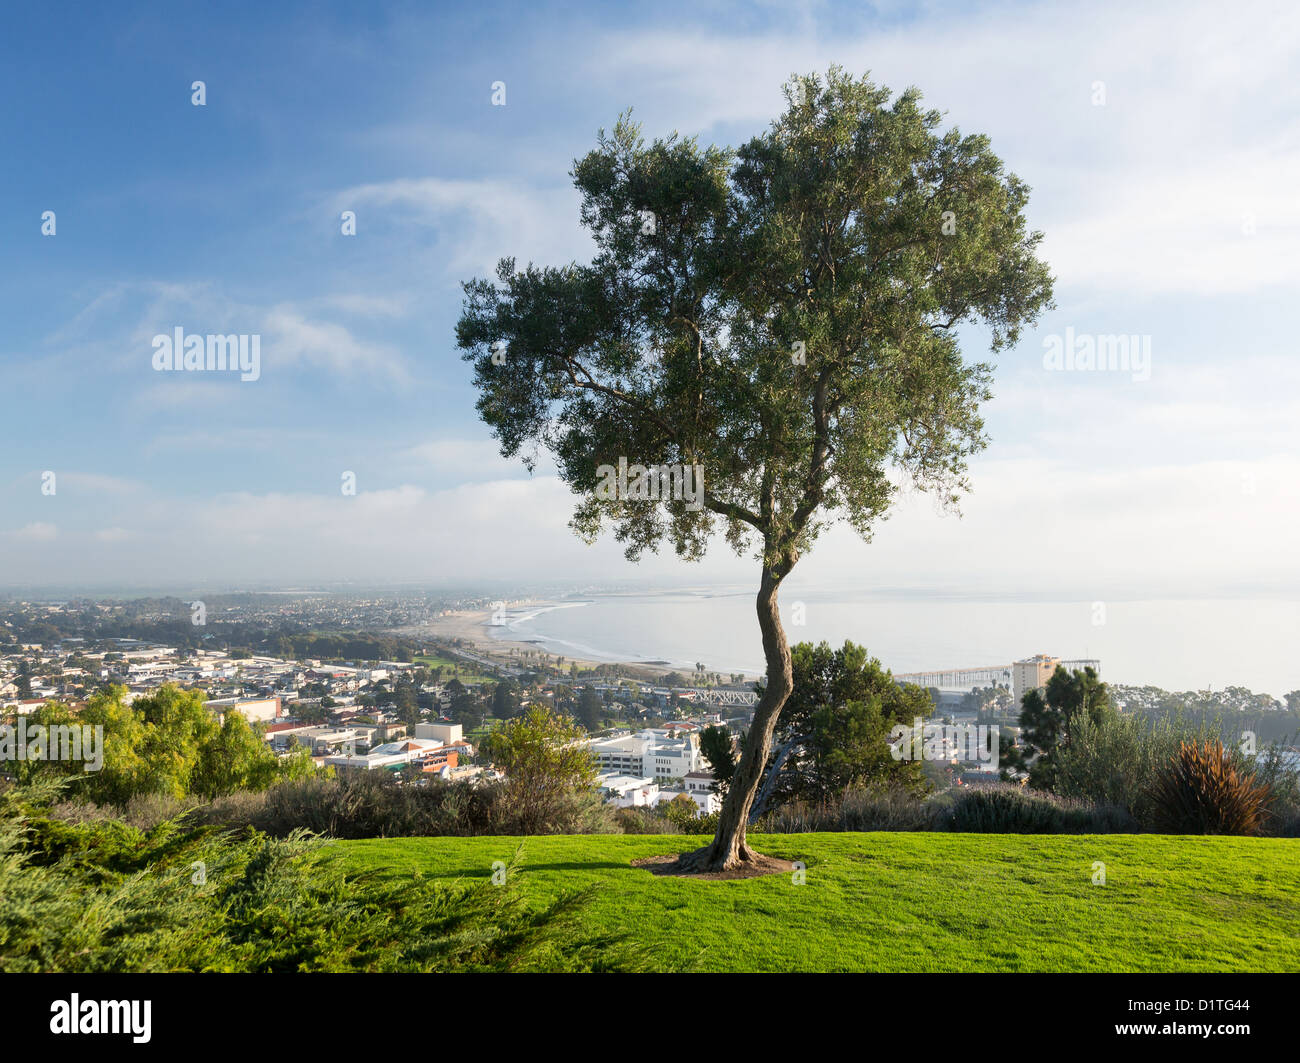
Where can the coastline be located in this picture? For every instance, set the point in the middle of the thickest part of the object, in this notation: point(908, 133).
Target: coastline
point(471, 626)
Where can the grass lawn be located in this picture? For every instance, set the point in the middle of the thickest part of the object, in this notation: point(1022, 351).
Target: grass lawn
point(467, 675)
point(918, 902)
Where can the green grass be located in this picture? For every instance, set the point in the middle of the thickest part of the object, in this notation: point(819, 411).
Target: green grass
point(917, 902)
point(489, 724)
point(466, 673)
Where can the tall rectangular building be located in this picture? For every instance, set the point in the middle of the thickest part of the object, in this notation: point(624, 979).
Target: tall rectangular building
point(1031, 674)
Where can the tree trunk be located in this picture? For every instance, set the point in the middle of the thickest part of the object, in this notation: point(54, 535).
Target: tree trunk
point(729, 849)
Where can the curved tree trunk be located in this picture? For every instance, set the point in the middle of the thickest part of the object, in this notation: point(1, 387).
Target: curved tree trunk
point(729, 849)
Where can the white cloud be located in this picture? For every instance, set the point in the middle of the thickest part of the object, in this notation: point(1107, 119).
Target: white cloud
point(479, 221)
point(1028, 526)
point(97, 483)
point(293, 339)
point(115, 330)
point(1043, 525)
point(1147, 194)
point(456, 461)
point(36, 532)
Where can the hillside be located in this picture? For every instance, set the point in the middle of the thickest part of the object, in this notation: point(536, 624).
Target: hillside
point(919, 902)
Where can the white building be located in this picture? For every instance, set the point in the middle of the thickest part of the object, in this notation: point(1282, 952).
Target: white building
point(698, 785)
point(316, 739)
point(449, 734)
point(627, 791)
point(391, 755)
point(650, 753)
point(258, 710)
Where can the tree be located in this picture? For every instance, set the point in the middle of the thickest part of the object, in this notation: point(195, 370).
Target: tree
point(23, 678)
point(590, 709)
point(465, 709)
point(312, 714)
point(837, 723)
point(505, 700)
point(718, 748)
point(762, 336)
point(169, 742)
point(406, 702)
point(545, 760)
point(1011, 758)
point(1047, 718)
point(238, 758)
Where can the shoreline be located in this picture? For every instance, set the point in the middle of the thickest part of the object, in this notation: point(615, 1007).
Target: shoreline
point(471, 626)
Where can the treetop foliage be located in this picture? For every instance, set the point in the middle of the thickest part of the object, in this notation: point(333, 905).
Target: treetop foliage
point(781, 315)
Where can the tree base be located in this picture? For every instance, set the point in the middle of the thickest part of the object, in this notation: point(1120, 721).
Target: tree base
point(698, 864)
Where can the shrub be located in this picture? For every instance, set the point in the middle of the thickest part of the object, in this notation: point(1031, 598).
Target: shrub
point(549, 770)
point(1201, 791)
point(375, 805)
point(1007, 809)
point(857, 810)
point(1283, 782)
point(642, 820)
point(1112, 761)
point(579, 811)
point(684, 814)
point(143, 810)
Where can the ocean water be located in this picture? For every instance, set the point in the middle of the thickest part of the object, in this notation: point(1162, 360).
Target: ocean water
point(1174, 644)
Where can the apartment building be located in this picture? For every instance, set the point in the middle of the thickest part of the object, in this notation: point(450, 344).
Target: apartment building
point(1031, 674)
point(651, 753)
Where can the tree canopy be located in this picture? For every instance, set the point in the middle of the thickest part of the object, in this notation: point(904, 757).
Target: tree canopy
point(838, 718)
point(167, 742)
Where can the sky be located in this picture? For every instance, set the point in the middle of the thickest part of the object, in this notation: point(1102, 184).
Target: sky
point(1161, 141)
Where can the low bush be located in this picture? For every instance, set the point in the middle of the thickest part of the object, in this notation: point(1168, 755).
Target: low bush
point(1008, 809)
point(684, 815)
point(143, 810)
point(1201, 791)
point(1272, 769)
point(641, 820)
point(376, 805)
point(198, 899)
point(857, 810)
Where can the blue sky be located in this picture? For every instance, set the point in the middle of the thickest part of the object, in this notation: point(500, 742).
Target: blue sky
point(1171, 210)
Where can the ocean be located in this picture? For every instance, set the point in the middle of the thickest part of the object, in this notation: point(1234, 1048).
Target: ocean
point(1175, 644)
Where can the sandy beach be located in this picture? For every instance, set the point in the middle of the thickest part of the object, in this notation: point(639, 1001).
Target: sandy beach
point(470, 628)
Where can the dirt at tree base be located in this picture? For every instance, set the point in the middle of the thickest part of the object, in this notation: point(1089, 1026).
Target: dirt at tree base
point(670, 864)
